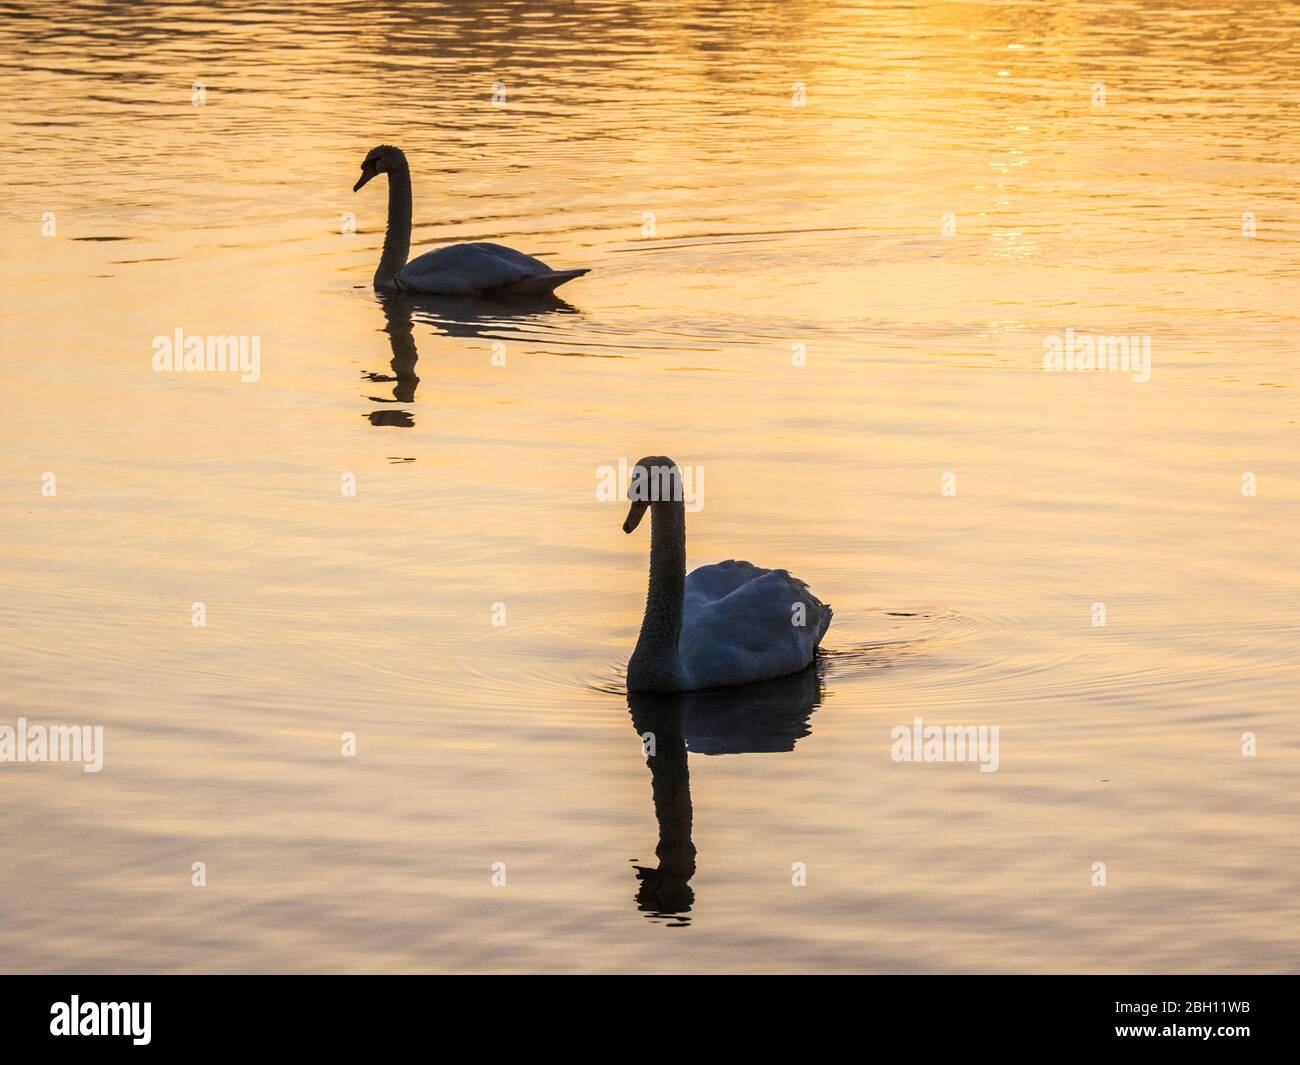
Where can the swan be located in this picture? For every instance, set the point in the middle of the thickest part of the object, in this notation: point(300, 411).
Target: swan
point(726, 624)
point(477, 269)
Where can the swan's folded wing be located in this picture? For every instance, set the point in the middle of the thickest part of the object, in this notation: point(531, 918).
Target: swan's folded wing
point(465, 269)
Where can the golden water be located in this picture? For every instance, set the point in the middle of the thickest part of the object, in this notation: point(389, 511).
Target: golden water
point(779, 231)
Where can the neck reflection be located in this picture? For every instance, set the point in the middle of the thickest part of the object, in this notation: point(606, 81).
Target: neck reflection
point(460, 317)
point(665, 892)
point(399, 324)
point(769, 718)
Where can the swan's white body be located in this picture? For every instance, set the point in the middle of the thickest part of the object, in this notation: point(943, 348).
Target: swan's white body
point(738, 625)
point(726, 624)
point(472, 269)
point(478, 269)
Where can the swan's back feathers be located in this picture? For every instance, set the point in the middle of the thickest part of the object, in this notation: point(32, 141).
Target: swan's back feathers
point(470, 269)
point(721, 579)
point(742, 623)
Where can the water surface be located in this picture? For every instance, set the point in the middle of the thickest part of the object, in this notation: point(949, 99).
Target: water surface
point(775, 297)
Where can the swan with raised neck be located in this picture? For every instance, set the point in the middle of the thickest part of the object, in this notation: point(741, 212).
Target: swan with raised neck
point(727, 624)
point(474, 269)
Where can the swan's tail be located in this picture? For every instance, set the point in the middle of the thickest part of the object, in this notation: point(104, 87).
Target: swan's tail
point(547, 282)
point(825, 623)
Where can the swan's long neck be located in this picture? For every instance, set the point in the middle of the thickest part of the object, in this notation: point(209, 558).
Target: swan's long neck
point(655, 661)
point(397, 241)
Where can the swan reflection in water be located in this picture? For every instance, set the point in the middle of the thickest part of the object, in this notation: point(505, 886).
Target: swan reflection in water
point(757, 718)
point(454, 316)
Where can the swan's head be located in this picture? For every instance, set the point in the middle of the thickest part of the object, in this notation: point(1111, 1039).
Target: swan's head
point(382, 160)
point(655, 479)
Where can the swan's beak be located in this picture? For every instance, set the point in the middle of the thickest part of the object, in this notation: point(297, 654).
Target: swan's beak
point(634, 516)
point(366, 175)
